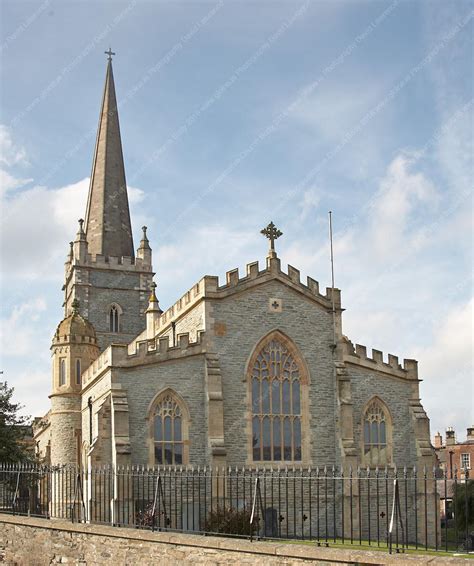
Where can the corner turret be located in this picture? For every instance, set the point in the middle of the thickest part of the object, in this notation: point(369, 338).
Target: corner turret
point(74, 348)
point(80, 247)
point(144, 250)
point(153, 313)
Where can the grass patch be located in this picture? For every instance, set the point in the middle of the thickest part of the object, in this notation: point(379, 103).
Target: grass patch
point(383, 547)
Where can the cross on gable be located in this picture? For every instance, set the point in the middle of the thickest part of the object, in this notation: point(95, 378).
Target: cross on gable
point(272, 233)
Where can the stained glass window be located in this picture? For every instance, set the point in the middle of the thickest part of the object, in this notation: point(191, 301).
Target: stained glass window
point(168, 431)
point(375, 434)
point(276, 405)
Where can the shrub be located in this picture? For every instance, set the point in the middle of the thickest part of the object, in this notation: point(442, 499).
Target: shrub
point(230, 521)
point(144, 518)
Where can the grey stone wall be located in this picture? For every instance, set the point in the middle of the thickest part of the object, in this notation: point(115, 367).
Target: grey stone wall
point(98, 288)
point(98, 391)
point(247, 319)
point(192, 322)
point(65, 424)
point(396, 394)
point(186, 377)
point(29, 541)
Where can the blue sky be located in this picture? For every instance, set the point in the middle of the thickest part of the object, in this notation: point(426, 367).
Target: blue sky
point(237, 113)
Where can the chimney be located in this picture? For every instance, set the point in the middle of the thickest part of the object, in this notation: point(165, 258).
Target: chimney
point(438, 440)
point(450, 436)
point(470, 433)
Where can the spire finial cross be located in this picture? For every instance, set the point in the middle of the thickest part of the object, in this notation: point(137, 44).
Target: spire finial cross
point(272, 233)
point(109, 54)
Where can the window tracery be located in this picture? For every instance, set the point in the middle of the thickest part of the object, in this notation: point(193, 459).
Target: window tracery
point(276, 404)
point(376, 432)
point(168, 433)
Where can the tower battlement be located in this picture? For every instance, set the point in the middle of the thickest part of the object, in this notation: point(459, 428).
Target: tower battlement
point(99, 261)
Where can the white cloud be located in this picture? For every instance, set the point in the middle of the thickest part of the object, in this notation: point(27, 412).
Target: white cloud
point(38, 223)
point(19, 331)
point(309, 202)
point(401, 192)
point(8, 182)
point(448, 369)
point(31, 386)
point(10, 153)
point(334, 109)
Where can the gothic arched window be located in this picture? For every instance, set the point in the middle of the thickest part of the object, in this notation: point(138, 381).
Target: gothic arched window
point(376, 434)
point(276, 383)
point(169, 422)
point(114, 319)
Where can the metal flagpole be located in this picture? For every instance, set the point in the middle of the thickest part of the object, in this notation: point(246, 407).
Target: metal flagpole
point(333, 333)
point(332, 283)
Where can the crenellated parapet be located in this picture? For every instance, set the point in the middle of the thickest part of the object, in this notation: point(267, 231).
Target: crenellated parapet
point(98, 261)
point(160, 348)
point(358, 355)
point(188, 300)
point(145, 352)
point(235, 283)
point(209, 287)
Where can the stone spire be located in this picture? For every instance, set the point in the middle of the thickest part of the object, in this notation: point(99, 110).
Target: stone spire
point(108, 225)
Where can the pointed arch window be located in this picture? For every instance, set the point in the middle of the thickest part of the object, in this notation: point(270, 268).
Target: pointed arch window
point(276, 393)
point(114, 319)
point(169, 422)
point(377, 431)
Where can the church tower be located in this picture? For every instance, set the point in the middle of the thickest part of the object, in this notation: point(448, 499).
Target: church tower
point(111, 283)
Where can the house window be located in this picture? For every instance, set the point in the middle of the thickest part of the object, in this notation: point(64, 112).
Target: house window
point(276, 402)
point(114, 317)
point(62, 371)
point(465, 461)
point(168, 433)
point(376, 432)
point(78, 372)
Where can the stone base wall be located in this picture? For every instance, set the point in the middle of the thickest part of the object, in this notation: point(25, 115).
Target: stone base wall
point(26, 541)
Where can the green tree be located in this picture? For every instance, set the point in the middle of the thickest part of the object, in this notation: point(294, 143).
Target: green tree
point(13, 428)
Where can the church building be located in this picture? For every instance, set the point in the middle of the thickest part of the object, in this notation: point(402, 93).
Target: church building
point(252, 371)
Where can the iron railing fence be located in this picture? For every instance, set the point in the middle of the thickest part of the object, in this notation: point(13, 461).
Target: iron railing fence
point(404, 508)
